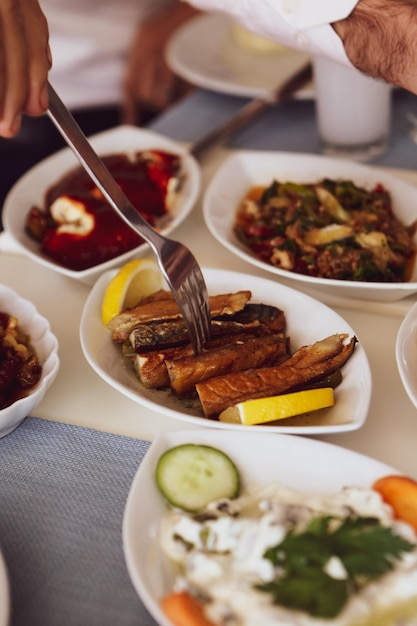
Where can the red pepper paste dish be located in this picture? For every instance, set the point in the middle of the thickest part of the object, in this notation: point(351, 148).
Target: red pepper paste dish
point(77, 227)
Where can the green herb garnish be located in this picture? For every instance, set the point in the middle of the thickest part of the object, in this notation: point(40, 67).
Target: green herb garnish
point(365, 548)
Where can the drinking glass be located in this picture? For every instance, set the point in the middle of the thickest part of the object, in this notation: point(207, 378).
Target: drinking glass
point(353, 111)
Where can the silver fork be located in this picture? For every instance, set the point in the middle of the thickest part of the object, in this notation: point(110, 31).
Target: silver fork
point(177, 264)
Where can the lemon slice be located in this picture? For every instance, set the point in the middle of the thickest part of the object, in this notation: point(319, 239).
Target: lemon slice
point(263, 410)
point(134, 281)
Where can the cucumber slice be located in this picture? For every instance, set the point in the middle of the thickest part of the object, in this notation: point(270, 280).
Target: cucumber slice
point(189, 476)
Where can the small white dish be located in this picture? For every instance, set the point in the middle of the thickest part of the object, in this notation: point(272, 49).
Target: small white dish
point(204, 52)
point(30, 189)
point(303, 464)
point(46, 346)
point(246, 169)
point(406, 353)
point(308, 321)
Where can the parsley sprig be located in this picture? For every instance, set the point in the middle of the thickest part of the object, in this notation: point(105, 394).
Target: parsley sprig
point(366, 549)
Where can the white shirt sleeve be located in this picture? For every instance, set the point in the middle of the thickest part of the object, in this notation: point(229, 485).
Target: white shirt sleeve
point(300, 24)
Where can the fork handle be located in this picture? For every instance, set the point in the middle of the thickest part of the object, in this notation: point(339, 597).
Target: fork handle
point(97, 170)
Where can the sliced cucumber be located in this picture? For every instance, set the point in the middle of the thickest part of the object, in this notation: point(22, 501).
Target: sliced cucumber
point(190, 476)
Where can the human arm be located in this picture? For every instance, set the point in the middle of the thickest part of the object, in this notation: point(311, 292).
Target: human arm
point(148, 79)
point(380, 39)
point(24, 63)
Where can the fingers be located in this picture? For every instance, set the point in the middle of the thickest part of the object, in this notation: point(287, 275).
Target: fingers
point(24, 63)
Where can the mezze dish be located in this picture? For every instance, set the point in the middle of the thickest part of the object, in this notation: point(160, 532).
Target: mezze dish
point(285, 497)
point(283, 307)
point(29, 360)
point(59, 218)
point(325, 224)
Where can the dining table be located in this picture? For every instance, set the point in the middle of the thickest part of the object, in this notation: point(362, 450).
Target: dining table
point(66, 471)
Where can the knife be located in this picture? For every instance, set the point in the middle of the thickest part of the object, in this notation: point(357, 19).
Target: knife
point(252, 109)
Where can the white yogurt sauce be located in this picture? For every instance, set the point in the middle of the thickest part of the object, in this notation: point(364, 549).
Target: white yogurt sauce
point(220, 558)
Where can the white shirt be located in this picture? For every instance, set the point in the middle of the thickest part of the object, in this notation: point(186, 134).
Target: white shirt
point(301, 24)
point(89, 42)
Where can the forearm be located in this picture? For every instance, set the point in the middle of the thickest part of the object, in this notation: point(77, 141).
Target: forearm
point(380, 38)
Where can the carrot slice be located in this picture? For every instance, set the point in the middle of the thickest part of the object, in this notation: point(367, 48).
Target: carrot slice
point(400, 492)
point(184, 610)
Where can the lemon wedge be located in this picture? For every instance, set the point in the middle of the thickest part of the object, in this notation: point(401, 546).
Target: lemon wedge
point(264, 410)
point(134, 281)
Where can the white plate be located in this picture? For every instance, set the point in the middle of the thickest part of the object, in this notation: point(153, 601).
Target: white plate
point(204, 53)
point(406, 353)
point(304, 464)
point(30, 188)
point(248, 168)
point(4, 594)
point(307, 321)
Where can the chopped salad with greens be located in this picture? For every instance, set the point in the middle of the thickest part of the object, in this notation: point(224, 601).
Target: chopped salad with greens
point(330, 229)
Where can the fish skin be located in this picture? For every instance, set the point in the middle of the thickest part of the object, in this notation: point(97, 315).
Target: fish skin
point(253, 319)
point(167, 309)
point(308, 364)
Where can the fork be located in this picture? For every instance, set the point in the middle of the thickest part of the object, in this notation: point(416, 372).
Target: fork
point(177, 264)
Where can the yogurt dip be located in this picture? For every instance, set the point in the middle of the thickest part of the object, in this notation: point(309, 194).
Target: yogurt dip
point(219, 557)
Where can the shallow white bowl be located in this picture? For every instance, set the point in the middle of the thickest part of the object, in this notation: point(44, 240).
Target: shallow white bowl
point(245, 169)
point(46, 346)
point(30, 189)
point(303, 464)
point(406, 353)
point(308, 321)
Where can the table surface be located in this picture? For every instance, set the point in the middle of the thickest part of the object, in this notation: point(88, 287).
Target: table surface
point(66, 476)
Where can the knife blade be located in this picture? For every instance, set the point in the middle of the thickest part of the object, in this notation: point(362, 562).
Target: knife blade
point(251, 110)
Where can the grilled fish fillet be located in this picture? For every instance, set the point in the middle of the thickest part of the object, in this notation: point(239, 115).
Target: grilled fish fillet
point(253, 319)
point(166, 309)
point(185, 372)
point(307, 365)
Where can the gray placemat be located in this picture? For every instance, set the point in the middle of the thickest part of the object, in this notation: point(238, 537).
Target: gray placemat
point(63, 490)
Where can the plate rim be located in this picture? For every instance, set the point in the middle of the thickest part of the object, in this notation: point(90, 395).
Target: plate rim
point(408, 327)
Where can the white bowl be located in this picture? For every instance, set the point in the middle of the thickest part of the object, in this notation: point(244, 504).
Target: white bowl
point(248, 168)
point(300, 463)
point(30, 189)
point(308, 321)
point(46, 346)
point(406, 353)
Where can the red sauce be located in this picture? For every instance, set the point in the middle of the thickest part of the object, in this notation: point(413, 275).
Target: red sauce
point(144, 178)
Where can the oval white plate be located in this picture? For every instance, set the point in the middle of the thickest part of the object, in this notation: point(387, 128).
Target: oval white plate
point(406, 353)
point(248, 168)
point(204, 53)
point(30, 188)
point(304, 464)
point(307, 321)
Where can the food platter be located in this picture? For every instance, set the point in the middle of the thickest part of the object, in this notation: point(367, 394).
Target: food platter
point(250, 168)
point(406, 353)
point(204, 53)
point(30, 189)
point(352, 396)
point(303, 464)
